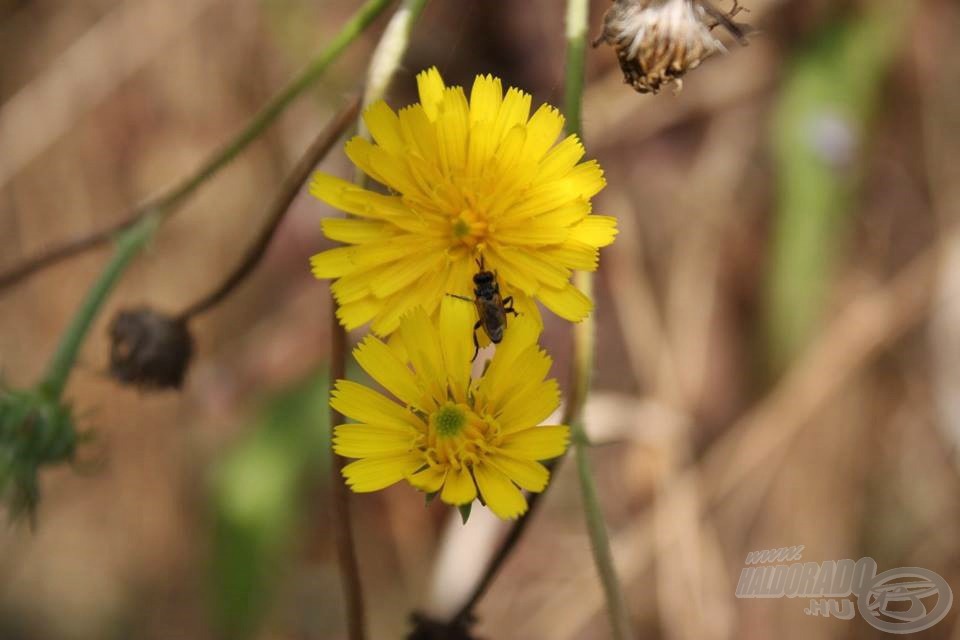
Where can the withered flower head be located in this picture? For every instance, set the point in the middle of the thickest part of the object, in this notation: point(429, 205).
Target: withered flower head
point(658, 41)
point(149, 349)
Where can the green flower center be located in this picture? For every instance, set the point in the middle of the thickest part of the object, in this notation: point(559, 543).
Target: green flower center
point(470, 227)
point(449, 420)
point(459, 437)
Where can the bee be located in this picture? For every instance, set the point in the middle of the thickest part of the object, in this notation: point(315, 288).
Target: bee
point(491, 308)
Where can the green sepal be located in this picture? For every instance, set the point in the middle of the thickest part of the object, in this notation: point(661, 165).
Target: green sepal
point(464, 510)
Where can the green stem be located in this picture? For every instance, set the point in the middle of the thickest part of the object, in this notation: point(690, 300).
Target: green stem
point(584, 349)
point(168, 202)
point(577, 19)
point(269, 113)
point(129, 244)
point(148, 217)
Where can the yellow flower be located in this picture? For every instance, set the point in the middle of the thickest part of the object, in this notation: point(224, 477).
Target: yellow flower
point(466, 179)
point(451, 433)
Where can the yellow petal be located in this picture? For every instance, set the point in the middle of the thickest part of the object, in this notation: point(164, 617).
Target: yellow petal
point(402, 273)
point(395, 342)
point(430, 86)
point(514, 111)
point(333, 263)
point(583, 182)
point(368, 441)
point(508, 154)
point(596, 231)
point(523, 333)
point(586, 179)
point(512, 380)
point(529, 407)
point(398, 247)
point(485, 98)
point(355, 231)
point(458, 488)
point(373, 474)
point(367, 406)
point(358, 312)
point(569, 303)
point(573, 255)
point(354, 286)
point(459, 280)
point(456, 343)
point(500, 495)
point(526, 308)
point(538, 443)
point(566, 214)
point(528, 474)
point(393, 171)
point(426, 293)
point(528, 262)
point(383, 365)
point(422, 344)
point(452, 125)
point(384, 126)
point(533, 234)
point(429, 480)
point(509, 274)
point(360, 151)
point(542, 131)
point(418, 132)
point(350, 198)
point(561, 159)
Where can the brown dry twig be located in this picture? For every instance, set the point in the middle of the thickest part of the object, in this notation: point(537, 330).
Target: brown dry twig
point(278, 208)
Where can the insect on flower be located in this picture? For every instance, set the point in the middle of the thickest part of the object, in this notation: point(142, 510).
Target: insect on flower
point(466, 172)
point(492, 310)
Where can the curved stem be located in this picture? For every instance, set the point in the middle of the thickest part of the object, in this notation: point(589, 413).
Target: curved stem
point(278, 208)
point(128, 246)
point(138, 230)
point(169, 201)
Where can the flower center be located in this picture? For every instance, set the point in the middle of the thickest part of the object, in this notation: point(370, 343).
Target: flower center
point(469, 227)
point(449, 421)
point(458, 436)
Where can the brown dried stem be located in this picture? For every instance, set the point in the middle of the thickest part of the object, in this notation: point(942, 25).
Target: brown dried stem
point(278, 208)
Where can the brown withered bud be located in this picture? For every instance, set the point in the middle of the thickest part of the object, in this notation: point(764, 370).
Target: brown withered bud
point(658, 41)
point(149, 349)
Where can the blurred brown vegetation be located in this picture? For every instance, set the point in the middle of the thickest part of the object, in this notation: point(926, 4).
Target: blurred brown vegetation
point(707, 449)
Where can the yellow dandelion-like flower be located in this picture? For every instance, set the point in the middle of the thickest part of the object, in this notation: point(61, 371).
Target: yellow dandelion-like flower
point(450, 433)
point(466, 178)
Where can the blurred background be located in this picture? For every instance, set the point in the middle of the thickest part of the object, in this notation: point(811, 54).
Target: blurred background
point(779, 323)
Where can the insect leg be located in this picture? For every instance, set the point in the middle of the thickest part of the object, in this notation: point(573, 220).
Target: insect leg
point(476, 343)
point(453, 295)
point(508, 306)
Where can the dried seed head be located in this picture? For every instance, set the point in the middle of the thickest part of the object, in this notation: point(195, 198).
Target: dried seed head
point(149, 349)
point(658, 41)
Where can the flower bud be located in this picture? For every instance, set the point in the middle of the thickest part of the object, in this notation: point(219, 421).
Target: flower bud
point(149, 349)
